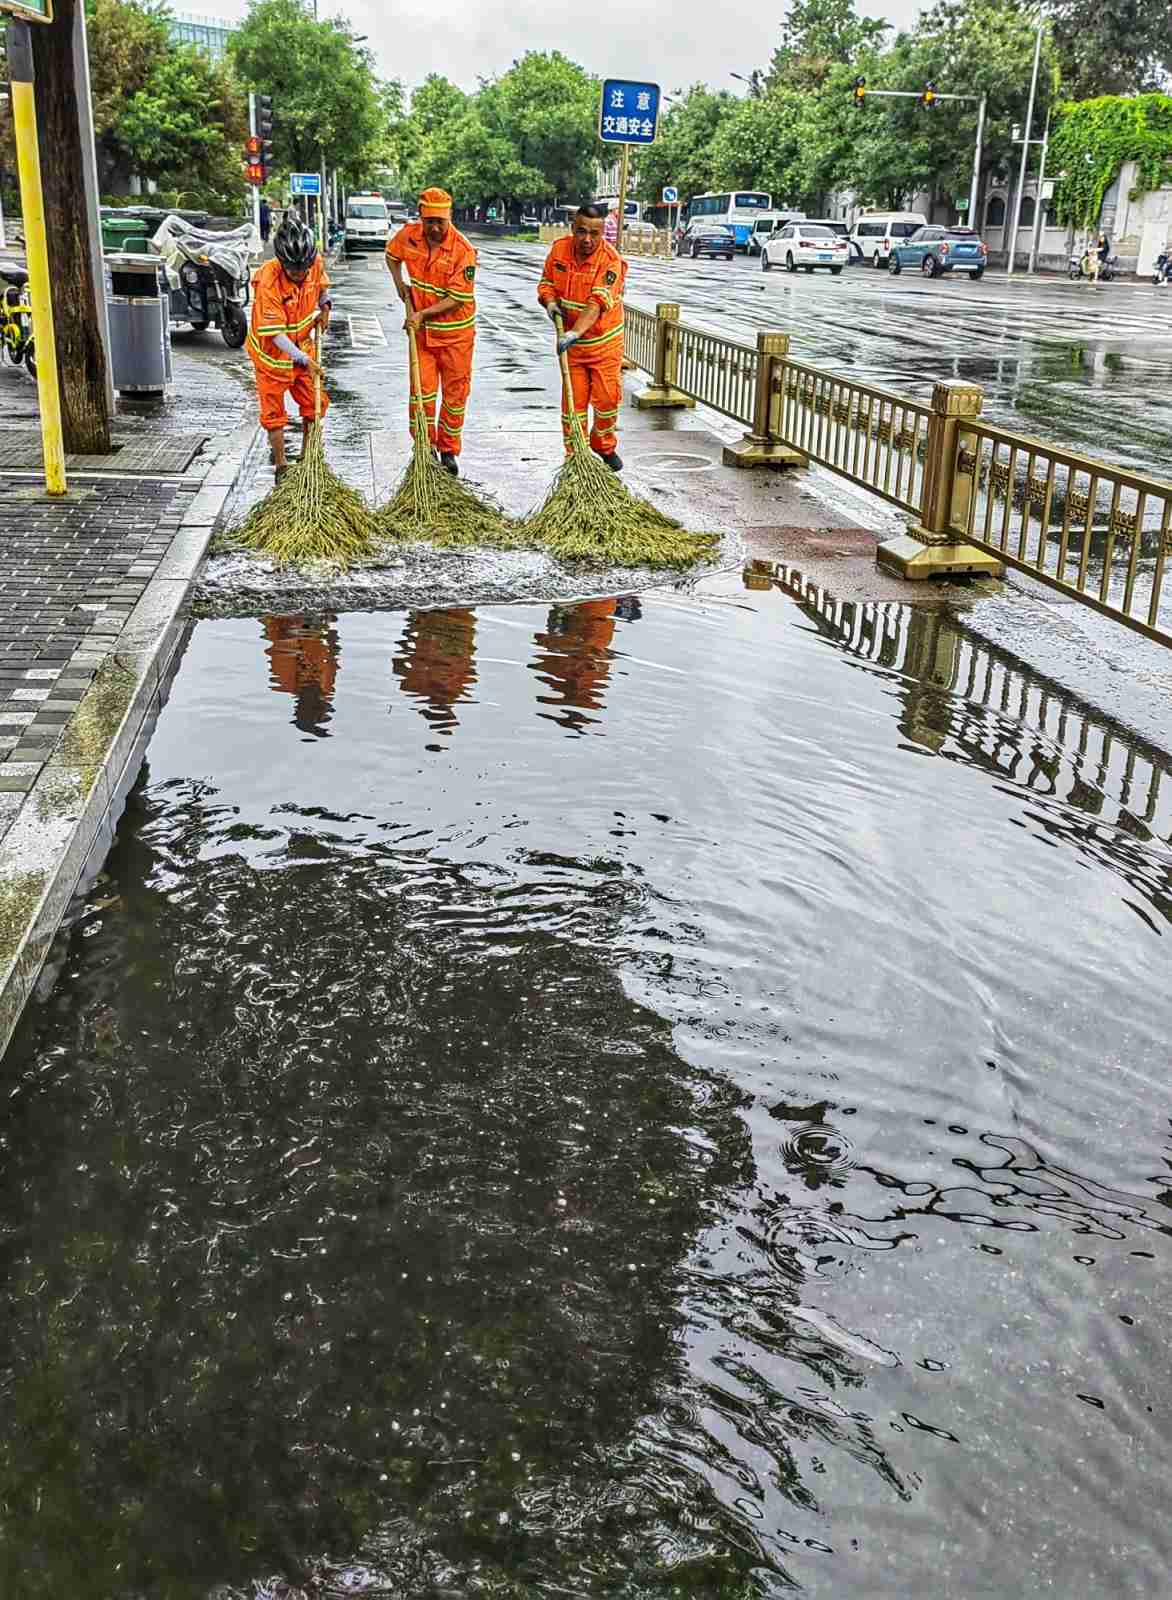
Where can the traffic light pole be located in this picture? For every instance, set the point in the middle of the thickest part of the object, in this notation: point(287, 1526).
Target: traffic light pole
point(253, 130)
point(862, 94)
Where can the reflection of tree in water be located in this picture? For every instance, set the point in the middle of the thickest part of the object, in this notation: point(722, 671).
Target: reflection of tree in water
point(303, 662)
point(436, 663)
point(343, 1196)
point(576, 657)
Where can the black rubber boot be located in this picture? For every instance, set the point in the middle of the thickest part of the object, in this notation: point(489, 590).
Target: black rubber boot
point(448, 463)
point(614, 461)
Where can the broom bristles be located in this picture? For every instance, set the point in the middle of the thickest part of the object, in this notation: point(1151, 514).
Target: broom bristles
point(590, 515)
point(311, 516)
point(430, 504)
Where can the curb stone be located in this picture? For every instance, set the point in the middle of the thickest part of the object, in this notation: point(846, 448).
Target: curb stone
point(59, 831)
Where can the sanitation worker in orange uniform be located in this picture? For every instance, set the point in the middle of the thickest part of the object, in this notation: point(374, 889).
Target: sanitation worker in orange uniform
point(583, 280)
point(441, 307)
point(290, 299)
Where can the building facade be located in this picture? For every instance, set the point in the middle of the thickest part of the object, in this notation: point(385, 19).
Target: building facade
point(209, 34)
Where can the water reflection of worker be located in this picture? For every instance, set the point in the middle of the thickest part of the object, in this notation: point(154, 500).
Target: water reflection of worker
point(576, 659)
point(436, 663)
point(303, 662)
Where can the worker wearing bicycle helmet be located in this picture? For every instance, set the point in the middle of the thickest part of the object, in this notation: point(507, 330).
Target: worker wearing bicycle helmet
point(290, 302)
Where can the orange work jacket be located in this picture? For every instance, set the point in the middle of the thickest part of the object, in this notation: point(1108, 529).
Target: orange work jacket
point(447, 272)
point(281, 306)
point(573, 284)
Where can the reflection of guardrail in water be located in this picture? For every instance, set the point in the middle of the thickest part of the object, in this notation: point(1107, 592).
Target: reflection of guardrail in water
point(982, 497)
point(1038, 736)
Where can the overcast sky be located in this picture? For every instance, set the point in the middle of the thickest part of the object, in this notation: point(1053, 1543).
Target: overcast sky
point(669, 42)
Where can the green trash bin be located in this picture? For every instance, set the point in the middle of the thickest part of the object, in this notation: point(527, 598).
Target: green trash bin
point(123, 233)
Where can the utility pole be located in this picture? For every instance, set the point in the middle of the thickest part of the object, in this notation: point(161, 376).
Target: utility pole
point(1025, 152)
point(1040, 207)
point(975, 185)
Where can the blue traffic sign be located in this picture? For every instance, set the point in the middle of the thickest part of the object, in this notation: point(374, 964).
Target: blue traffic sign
point(629, 113)
point(671, 195)
point(304, 183)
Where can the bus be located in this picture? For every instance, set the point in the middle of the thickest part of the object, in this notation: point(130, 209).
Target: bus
point(740, 211)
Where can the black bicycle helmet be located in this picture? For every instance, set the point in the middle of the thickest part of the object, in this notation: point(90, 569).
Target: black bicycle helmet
point(295, 245)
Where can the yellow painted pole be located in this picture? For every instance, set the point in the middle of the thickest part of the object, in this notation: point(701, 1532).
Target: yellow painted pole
point(28, 161)
point(624, 170)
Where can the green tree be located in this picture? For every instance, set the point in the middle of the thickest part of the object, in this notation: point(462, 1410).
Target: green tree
point(686, 151)
point(186, 125)
point(1112, 46)
point(326, 96)
point(817, 35)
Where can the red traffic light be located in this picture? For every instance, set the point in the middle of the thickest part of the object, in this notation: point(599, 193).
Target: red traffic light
point(253, 147)
point(255, 173)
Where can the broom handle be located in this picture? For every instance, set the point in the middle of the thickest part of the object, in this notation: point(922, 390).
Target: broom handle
point(416, 380)
point(567, 386)
point(317, 376)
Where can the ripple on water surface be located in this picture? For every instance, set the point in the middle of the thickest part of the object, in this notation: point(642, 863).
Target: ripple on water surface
point(637, 1097)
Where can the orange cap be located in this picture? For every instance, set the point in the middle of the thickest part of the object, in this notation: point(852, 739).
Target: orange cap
point(435, 203)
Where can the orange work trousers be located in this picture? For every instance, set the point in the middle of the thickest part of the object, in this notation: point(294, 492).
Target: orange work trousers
point(272, 387)
point(446, 367)
point(597, 384)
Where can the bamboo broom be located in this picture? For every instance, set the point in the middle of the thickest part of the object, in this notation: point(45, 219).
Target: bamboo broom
point(312, 516)
point(590, 515)
point(429, 502)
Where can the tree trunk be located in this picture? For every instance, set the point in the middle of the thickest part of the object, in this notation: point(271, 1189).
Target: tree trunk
point(81, 358)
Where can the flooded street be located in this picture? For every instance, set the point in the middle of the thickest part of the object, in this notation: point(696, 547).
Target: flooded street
point(658, 1096)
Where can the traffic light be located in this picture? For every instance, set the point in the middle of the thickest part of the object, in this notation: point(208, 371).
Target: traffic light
point(264, 129)
point(859, 92)
point(928, 98)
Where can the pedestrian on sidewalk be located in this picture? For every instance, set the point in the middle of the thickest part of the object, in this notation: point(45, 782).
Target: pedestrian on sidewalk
point(441, 308)
point(583, 282)
point(266, 221)
point(290, 302)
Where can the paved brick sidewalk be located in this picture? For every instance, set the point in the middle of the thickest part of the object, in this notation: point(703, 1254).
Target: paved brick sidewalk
point(71, 572)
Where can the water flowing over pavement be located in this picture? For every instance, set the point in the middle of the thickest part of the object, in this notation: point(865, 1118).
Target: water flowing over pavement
point(662, 1095)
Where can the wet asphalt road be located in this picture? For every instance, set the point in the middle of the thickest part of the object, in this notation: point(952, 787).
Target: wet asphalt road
point(1064, 361)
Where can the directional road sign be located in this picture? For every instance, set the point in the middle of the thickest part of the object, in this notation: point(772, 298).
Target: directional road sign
point(671, 196)
point(629, 113)
point(304, 183)
point(30, 10)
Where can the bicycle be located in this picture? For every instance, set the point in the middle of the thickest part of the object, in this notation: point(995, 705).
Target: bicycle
point(16, 320)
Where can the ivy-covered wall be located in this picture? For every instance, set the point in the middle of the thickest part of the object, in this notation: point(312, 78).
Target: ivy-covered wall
point(1092, 140)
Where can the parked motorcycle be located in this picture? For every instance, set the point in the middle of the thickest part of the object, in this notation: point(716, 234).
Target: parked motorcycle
point(210, 275)
point(1080, 267)
point(1163, 269)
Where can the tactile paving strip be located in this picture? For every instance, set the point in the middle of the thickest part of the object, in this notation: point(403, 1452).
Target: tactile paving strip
point(20, 451)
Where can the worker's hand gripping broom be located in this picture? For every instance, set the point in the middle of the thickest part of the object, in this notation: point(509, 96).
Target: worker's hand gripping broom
point(312, 516)
point(590, 515)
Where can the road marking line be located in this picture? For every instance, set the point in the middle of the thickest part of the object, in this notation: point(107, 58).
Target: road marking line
point(366, 333)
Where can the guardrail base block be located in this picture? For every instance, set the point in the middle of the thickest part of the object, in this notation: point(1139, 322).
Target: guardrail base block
point(762, 453)
point(662, 398)
point(909, 557)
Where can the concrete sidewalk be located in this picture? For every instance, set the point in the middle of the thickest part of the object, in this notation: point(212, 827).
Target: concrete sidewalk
point(92, 595)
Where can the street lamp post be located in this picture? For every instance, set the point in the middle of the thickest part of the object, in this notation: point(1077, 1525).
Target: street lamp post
point(1025, 152)
point(1040, 205)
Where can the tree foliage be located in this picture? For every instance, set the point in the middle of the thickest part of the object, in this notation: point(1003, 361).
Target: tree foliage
point(1110, 47)
point(162, 110)
point(326, 95)
point(1093, 139)
point(528, 135)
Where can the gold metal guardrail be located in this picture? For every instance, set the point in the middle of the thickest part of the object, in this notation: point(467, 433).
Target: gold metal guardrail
point(980, 498)
point(636, 241)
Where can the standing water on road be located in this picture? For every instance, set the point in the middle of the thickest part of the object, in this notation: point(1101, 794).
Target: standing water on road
point(643, 1098)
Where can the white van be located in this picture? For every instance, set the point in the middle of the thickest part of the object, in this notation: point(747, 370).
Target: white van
point(368, 224)
point(770, 222)
point(874, 232)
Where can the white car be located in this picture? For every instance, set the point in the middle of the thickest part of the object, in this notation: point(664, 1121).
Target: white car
point(808, 245)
